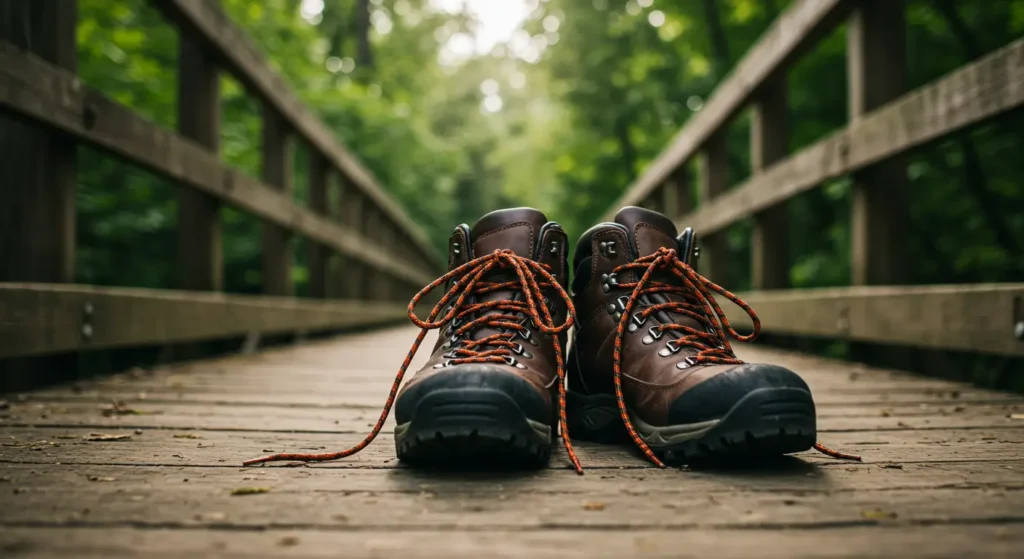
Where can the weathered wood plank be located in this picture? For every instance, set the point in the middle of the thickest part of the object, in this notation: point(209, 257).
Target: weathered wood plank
point(57, 98)
point(204, 21)
point(228, 448)
point(43, 318)
point(356, 418)
point(957, 317)
point(863, 540)
point(186, 500)
point(797, 29)
point(966, 97)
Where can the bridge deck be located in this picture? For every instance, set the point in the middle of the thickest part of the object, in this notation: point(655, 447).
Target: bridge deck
point(943, 473)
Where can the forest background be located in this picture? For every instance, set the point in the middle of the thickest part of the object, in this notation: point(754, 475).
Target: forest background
point(463, 106)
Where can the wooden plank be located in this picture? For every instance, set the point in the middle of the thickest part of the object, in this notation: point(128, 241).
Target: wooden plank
point(41, 318)
point(229, 448)
point(205, 21)
point(864, 539)
point(200, 261)
point(958, 317)
point(650, 483)
point(56, 98)
point(800, 27)
point(966, 97)
point(769, 143)
point(184, 415)
point(316, 502)
point(278, 168)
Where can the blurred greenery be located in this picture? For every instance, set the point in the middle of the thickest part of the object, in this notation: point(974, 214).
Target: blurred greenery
point(563, 115)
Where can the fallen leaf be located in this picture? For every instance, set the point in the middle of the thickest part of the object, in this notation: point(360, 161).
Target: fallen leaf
point(249, 490)
point(958, 409)
point(104, 437)
point(877, 514)
point(1017, 416)
point(187, 436)
point(288, 541)
point(138, 431)
point(884, 413)
point(101, 478)
point(593, 506)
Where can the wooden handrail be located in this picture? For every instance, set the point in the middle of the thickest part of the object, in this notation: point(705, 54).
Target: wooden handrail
point(799, 28)
point(203, 20)
point(965, 97)
point(33, 88)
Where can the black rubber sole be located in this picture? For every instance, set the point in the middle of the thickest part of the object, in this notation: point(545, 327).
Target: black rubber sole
point(766, 422)
point(472, 427)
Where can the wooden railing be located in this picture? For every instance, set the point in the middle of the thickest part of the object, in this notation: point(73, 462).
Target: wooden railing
point(885, 122)
point(46, 111)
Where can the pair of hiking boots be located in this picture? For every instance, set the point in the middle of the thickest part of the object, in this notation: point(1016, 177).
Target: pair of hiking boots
point(650, 359)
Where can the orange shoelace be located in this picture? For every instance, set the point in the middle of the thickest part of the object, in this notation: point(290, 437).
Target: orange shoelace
point(712, 345)
point(496, 348)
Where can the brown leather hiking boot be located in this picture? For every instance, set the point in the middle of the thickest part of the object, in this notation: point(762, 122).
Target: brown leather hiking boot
point(651, 359)
point(493, 389)
point(491, 386)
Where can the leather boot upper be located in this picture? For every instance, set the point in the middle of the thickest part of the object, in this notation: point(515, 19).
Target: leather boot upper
point(528, 353)
point(656, 371)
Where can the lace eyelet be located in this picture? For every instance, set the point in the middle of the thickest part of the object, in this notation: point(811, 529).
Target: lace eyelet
point(669, 349)
point(653, 334)
point(687, 363)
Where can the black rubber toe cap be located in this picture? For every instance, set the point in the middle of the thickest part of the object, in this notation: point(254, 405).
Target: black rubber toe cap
point(474, 376)
point(713, 398)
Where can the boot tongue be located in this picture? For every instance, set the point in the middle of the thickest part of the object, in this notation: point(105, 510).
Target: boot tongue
point(515, 229)
point(648, 229)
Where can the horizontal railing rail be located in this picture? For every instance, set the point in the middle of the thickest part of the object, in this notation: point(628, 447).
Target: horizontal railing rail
point(367, 253)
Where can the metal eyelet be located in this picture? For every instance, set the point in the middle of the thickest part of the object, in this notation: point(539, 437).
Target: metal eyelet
point(443, 365)
point(669, 349)
point(525, 334)
point(687, 363)
point(637, 322)
point(509, 360)
point(653, 334)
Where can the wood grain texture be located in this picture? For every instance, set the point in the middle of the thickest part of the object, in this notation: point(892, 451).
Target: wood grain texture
point(975, 318)
point(942, 475)
point(47, 318)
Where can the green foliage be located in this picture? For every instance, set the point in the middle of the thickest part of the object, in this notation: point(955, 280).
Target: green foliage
point(591, 92)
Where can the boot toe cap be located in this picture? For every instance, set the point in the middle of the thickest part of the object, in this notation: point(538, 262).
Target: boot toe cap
point(475, 377)
point(714, 397)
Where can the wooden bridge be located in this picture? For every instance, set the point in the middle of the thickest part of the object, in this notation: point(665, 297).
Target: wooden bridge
point(147, 462)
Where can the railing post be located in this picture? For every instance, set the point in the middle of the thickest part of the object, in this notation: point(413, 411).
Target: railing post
point(352, 202)
point(38, 169)
point(277, 172)
point(38, 166)
point(199, 245)
point(769, 142)
point(319, 255)
point(876, 64)
point(714, 178)
point(676, 194)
